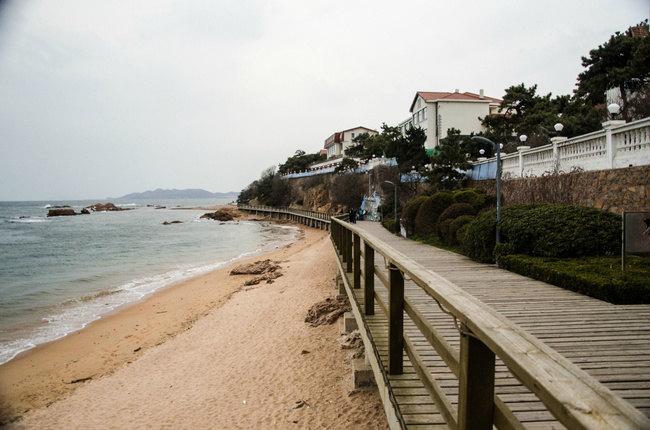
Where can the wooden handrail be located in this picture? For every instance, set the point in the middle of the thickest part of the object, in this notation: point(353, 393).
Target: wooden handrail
point(575, 398)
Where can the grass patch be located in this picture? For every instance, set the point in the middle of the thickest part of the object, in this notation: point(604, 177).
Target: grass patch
point(598, 277)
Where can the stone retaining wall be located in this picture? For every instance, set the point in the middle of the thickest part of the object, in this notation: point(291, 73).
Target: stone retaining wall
point(612, 190)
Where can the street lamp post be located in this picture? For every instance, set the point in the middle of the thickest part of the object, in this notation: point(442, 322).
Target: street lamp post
point(497, 148)
point(395, 201)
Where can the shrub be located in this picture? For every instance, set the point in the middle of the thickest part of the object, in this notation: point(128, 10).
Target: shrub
point(410, 211)
point(429, 211)
point(462, 232)
point(443, 230)
point(545, 230)
point(456, 210)
point(454, 228)
point(472, 196)
point(389, 224)
point(598, 277)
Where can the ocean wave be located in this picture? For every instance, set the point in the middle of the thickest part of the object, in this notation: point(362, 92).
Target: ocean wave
point(28, 220)
point(78, 313)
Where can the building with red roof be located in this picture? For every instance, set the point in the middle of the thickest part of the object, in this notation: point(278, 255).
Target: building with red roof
point(438, 111)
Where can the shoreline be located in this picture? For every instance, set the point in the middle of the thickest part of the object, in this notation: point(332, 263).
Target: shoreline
point(49, 371)
point(93, 307)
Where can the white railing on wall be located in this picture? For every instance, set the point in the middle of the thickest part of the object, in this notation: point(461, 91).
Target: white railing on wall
point(617, 145)
point(330, 167)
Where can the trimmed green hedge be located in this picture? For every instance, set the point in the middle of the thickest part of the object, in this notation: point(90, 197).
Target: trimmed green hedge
point(598, 277)
point(427, 217)
point(472, 196)
point(410, 211)
point(544, 230)
point(455, 210)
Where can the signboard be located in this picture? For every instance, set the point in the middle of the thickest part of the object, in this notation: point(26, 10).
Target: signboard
point(636, 233)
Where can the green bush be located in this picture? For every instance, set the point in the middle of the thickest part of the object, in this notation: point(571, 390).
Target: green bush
point(456, 210)
point(410, 211)
point(443, 230)
point(454, 228)
point(545, 230)
point(472, 196)
point(599, 277)
point(462, 232)
point(389, 224)
point(429, 211)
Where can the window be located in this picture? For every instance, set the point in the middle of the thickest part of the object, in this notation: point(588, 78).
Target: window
point(352, 135)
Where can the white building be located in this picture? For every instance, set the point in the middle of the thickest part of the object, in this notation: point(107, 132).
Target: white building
point(338, 142)
point(436, 112)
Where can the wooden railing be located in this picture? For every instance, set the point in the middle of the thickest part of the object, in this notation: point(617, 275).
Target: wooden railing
point(576, 399)
point(311, 218)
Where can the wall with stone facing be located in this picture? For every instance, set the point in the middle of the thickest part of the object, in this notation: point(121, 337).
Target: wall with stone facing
point(612, 190)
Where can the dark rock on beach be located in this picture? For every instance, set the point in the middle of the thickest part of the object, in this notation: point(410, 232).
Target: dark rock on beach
point(85, 211)
point(326, 311)
point(62, 211)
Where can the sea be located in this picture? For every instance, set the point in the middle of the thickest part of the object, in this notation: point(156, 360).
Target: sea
point(58, 274)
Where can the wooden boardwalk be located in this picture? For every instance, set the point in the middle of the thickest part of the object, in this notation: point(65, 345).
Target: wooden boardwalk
point(462, 345)
point(609, 342)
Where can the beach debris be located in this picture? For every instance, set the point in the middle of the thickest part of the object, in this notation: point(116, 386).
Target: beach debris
point(351, 340)
point(268, 277)
point(137, 349)
point(267, 270)
point(257, 268)
point(172, 222)
point(76, 381)
point(299, 404)
point(223, 214)
point(304, 351)
point(327, 311)
point(243, 402)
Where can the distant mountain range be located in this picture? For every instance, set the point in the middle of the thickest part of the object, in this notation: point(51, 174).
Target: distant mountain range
point(189, 193)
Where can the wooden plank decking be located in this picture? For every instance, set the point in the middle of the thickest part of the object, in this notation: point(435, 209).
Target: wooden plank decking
point(610, 342)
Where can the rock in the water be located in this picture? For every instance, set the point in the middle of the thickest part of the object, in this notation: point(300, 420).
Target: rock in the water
point(172, 222)
point(105, 207)
point(64, 211)
point(327, 311)
point(219, 215)
point(85, 211)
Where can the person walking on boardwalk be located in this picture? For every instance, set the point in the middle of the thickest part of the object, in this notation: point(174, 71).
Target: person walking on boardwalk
point(353, 216)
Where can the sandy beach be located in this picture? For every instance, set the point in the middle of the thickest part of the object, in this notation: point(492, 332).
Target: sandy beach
point(206, 352)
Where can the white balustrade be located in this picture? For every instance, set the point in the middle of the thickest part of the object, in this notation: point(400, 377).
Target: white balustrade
point(617, 145)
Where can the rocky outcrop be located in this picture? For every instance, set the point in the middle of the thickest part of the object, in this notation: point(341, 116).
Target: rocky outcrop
point(220, 215)
point(327, 311)
point(104, 207)
point(172, 222)
point(256, 268)
point(61, 211)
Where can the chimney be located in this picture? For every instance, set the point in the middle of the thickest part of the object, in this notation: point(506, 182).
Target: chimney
point(456, 90)
point(481, 94)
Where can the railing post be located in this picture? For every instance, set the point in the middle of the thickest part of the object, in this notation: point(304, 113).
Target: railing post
point(609, 141)
point(357, 262)
point(476, 383)
point(369, 279)
point(348, 251)
point(395, 321)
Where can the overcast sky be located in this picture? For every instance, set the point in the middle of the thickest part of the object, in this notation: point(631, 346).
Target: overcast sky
point(103, 98)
